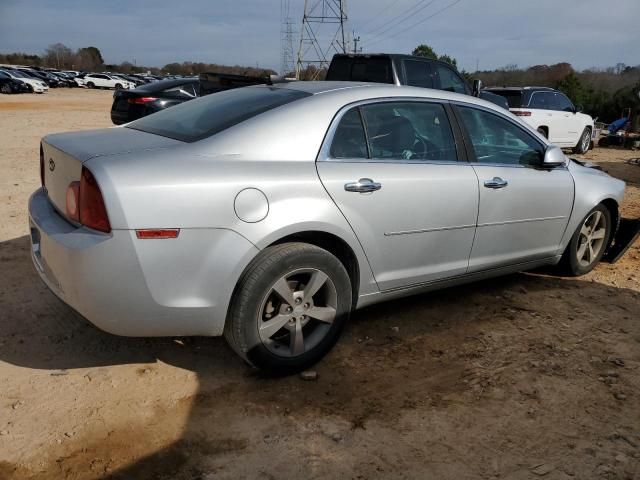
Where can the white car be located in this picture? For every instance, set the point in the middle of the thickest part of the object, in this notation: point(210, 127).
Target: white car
point(552, 114)
point(102, 80)
point(37, 86)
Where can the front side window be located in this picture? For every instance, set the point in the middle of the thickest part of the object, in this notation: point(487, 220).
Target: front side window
point(409, 131)
point(497, 140)
point(449, 80)
point(418, 74)
point(206, 116)
point(563, 103)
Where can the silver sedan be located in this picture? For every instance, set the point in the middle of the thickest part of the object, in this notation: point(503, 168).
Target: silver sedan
point(269, 213)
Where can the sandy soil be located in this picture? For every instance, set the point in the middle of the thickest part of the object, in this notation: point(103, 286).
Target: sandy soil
point(527, 376)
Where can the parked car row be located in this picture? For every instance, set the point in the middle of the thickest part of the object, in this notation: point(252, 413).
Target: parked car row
point(24, 79)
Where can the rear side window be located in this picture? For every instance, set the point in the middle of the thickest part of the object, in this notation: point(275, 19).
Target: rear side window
point(514, 98)
point(349, 141)
point(206, 116)
point(377, 70)
point(185, 90)
point(418, 74)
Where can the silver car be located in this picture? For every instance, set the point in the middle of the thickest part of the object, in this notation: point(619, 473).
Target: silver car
point(269, 213)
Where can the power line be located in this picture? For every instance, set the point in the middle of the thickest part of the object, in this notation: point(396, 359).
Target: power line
point(375, 18)
point(404, 16)
point(417, 23)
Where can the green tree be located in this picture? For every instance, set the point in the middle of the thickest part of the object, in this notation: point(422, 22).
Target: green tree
point(572, 88)
point(425, 51)
point(90, 58)
point(450, 60)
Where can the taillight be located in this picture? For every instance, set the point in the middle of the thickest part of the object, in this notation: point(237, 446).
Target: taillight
point(521, 113)
point(73, 201)
point(41, 166)
point(92, 211)
point(142, 100)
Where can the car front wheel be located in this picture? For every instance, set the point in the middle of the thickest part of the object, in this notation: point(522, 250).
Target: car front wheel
point(583, 143)
point(289, 308)
point(589, 242)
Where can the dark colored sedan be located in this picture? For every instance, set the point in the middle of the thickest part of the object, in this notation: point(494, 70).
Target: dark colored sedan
point(12, 85)
point(129, 105)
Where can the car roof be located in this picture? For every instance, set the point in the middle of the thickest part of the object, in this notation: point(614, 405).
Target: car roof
point(396, 56)
point(357, 91)
point(518, 89)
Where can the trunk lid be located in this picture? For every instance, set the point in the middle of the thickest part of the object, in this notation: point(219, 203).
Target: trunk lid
point(64, 154)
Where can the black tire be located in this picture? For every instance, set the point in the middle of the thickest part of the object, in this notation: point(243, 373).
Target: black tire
point(570, 264)
point(91, 85)
point(118, 86)
point(584, 143)
point(252, 298)
point(5, 88)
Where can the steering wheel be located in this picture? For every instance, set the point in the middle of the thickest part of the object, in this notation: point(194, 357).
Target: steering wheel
point(422, 153)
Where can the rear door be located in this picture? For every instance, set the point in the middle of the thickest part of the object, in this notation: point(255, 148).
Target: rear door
point(411, 203)
point(524, 209)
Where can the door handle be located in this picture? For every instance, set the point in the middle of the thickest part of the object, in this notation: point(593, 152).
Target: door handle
point(495, 183)
point(364, 185)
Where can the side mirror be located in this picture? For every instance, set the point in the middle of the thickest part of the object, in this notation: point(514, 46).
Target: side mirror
point(553, 157)
point(477, 86)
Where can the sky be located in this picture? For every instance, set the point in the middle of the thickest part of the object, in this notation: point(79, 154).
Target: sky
point(487, 33)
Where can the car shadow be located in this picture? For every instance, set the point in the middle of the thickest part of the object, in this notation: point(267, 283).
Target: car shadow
point(412, 339)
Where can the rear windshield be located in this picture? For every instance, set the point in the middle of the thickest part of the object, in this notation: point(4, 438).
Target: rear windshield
point(201, 118)
point(361, 69)
point(514, 97)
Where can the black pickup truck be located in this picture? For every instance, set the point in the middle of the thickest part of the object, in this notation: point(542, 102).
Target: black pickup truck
point(406, 70)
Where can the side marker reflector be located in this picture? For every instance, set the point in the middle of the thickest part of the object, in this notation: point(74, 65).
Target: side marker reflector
point(151, 233)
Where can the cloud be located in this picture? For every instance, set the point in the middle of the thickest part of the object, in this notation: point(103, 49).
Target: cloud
point(493, 32)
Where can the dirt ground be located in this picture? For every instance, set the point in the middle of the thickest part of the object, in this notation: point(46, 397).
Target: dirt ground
point(527, 376)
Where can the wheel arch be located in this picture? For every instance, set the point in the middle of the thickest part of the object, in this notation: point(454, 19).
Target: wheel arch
point(334, 245)
point(613, 207)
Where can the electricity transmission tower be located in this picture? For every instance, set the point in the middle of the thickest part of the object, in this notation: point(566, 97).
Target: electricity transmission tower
point(286, 40)
point(324, 32)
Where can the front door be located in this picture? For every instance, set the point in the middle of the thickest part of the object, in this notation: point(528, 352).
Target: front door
point(524, 209)
point(410, 202)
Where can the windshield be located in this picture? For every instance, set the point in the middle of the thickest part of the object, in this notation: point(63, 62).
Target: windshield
point(198, 119)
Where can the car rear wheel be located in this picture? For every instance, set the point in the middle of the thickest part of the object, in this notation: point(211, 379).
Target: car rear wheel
point(118, 86)
point(289, 308)
point(588, 244)
point(584, 143)
point(5, 88)
point(91, 85)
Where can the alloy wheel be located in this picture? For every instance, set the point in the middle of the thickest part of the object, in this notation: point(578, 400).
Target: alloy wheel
point(591, 240)
point(297, 312)
point(586, 141)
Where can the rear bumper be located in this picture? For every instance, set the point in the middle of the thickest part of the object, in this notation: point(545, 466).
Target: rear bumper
point(133, 287)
